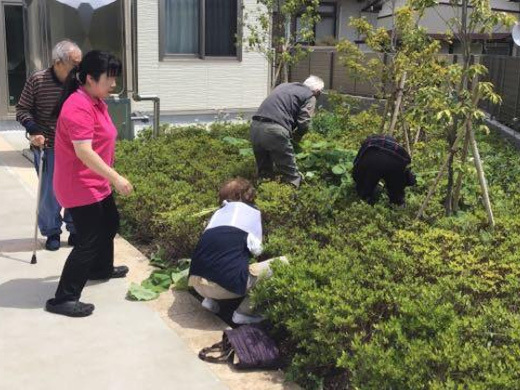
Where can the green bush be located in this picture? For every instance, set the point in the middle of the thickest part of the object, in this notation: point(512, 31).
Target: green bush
point(372, 299)
point(175, 177)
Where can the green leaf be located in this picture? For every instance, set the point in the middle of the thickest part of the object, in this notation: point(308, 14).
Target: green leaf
point(148, 284)
point(158, 281)
point(158, 258)
point(182, 284)
point(339, 169)
point(183, 263)
point(204, 212)
point(245, 152)
point(140, 293)
point(235, 141)
point(178, 275)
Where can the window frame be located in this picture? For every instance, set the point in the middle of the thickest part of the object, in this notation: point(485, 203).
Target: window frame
point(333, 15)
point(164, 56)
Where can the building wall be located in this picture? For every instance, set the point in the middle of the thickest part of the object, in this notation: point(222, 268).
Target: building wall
point(434, 20)
point(196, 85)
point(348, 9)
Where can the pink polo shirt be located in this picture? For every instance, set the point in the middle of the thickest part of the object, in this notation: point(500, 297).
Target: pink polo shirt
point(82, 118)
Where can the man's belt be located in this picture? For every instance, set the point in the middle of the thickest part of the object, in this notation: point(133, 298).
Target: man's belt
point(263, 119)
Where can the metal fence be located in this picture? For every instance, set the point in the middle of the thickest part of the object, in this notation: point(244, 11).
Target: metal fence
point(504, 73)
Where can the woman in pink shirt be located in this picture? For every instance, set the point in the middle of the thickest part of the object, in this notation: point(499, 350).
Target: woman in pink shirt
point(83, 175)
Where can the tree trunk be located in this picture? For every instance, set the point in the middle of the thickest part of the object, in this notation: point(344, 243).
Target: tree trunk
point(383, 117)
point(277, 75)
point(452, 136)
point(449, 187)
point(481, 176)
point(407, 139)
point(390, 96)
point(287, 46)
point(417, 136)
point(458, 185)
point(397, 105)
point(469, 126)
point(433, 187)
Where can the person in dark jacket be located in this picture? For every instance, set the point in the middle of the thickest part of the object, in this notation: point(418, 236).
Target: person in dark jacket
point(283, 116)
point(382, 158)
point(220, 266)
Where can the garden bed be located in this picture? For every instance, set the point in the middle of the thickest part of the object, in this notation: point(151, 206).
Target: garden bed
point(373, 298)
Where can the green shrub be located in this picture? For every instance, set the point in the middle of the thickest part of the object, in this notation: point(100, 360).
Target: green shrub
point(175, 177)
point(372, 298)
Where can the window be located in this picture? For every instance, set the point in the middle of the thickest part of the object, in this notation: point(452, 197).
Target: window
point(199, 28)
point(325, 29)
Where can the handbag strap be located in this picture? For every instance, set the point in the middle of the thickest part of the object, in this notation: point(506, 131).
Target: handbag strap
point(224, 349)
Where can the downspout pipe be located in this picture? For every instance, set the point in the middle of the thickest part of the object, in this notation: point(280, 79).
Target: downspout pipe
point(135, 82)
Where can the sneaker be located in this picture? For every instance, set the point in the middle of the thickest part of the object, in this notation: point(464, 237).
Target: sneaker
point(72, 240)
point(211, 305)
point(53, 242)
point(243, 319)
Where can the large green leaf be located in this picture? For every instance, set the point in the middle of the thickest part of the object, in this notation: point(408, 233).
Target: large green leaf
point(246, 152)
point(178, 275)
point(137, 292)
point(235, 141)
point(339, 169)
point(158, 281)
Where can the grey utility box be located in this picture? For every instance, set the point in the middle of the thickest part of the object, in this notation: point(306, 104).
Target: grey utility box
point(120, 111)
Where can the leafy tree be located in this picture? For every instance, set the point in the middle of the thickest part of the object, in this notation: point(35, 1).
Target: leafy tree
point(428, 94)
point(270, 32)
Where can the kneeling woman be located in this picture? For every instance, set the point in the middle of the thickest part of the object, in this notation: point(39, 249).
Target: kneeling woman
point(84, 152)
point(220, 265)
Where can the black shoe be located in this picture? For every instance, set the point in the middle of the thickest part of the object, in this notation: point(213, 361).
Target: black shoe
point(72, 240)
point(69, 308)
point(53, 242)
point(118, 272)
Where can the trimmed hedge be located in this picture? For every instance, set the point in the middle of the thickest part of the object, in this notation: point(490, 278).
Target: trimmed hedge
point(372, 299)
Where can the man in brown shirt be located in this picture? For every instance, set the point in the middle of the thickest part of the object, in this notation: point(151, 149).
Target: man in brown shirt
point(34, 111)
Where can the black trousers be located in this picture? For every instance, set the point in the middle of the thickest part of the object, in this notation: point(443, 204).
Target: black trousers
point(93, 255)
point(376, 165)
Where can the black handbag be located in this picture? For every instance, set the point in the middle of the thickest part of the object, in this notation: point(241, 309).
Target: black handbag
point(245, 347)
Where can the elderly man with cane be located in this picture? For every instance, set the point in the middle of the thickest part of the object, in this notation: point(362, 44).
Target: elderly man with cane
point(283, 116)
point(34, 111)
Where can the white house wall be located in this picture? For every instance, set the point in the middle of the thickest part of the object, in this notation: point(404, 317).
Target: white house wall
point(434, 19)
point(196, 85)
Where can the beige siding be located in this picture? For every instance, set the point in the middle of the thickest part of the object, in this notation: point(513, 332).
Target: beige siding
point(434, 20)
point(194, 84)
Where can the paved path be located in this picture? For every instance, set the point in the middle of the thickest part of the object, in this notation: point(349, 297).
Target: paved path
point(123, 345)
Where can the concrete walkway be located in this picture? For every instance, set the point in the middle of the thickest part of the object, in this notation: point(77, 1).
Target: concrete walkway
point(123, 345)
